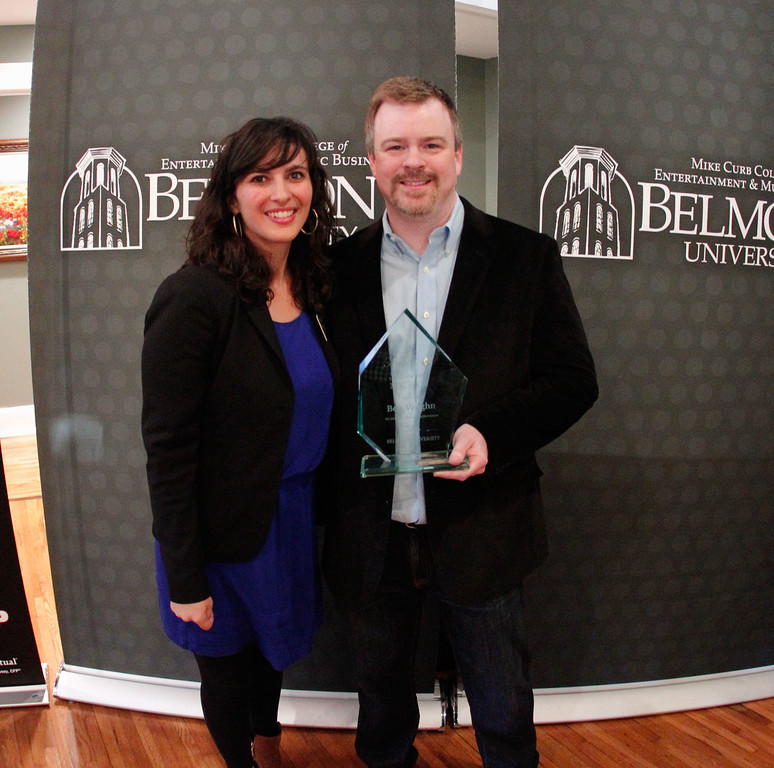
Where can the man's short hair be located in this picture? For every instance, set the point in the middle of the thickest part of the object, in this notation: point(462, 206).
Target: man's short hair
point(409, 90)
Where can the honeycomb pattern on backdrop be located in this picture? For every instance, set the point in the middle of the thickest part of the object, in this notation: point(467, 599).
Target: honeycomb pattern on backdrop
point(659, 502)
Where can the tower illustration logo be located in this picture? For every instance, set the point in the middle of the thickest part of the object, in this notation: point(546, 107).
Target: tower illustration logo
point(592, 213)
point(101, 204)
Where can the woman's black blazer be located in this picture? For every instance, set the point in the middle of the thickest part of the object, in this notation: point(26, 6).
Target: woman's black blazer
point(217, 408)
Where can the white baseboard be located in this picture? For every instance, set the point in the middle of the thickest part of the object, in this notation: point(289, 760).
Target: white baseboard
point(310, 709)
point(320, 709)
point(653, 697)
point(18, 420)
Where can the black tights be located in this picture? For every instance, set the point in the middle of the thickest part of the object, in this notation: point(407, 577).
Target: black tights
point(240, 696)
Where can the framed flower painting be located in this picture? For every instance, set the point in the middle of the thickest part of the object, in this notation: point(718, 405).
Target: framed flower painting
point(13, 199)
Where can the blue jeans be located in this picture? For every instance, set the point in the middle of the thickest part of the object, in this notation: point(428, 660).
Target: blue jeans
point(489, 643)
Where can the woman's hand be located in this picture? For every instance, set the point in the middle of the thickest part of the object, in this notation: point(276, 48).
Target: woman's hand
point(199, 613)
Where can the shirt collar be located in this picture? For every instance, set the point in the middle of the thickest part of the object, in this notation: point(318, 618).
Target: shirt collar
point(447, 235)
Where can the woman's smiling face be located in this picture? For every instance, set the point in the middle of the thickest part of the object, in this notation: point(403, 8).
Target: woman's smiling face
point(274, 203)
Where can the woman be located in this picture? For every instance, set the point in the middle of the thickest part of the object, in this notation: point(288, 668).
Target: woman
point(237, 381)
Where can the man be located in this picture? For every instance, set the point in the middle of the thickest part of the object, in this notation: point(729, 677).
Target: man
point(495, 297)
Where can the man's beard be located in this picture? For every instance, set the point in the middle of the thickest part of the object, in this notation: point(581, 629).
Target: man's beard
point(402, 200)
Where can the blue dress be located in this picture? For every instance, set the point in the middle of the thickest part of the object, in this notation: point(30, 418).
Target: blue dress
point(274, 600)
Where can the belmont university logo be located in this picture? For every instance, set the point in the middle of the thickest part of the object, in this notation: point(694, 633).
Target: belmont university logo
point(101, 204)
point(590, 214)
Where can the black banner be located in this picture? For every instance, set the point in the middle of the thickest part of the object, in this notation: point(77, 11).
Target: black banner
point(21, 674)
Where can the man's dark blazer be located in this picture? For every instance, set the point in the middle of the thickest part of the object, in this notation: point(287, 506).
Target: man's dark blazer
point(512, 327)
point(217, 408)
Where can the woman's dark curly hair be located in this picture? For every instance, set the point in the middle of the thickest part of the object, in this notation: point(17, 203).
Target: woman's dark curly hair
point(212, 239)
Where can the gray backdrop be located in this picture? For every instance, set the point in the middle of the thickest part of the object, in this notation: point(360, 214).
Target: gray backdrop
point(660, 502)
point(148, 89)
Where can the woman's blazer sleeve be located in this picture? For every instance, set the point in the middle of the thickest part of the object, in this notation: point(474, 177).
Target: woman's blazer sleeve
point(182, 328)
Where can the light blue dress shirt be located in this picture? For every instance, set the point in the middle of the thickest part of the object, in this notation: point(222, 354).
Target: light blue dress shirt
point(421, 285)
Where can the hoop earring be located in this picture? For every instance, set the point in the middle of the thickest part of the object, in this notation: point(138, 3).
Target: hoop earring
point(236, 222)
point(316, 223)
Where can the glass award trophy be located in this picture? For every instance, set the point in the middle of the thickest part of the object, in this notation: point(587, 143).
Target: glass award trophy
point(409, 399)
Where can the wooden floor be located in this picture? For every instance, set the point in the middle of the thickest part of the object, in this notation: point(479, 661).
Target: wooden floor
point(71, 735)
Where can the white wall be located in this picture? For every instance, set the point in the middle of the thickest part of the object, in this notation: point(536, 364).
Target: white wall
point(15, 373)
